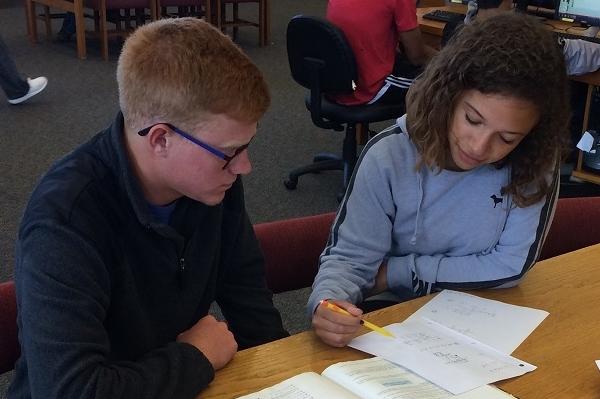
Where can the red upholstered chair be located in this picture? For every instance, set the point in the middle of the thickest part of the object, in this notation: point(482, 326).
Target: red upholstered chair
point(292, 248)
point(9, 343)
point(576, 225)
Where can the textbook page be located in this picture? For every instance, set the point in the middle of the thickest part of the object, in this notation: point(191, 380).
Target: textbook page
point(373, 378)
point(443, 356)
point(303, 386)
point(377, 378)
point(482, 319)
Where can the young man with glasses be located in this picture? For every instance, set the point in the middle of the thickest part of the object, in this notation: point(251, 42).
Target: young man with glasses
point(128, 240)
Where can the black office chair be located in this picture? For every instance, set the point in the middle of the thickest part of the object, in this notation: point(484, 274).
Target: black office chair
point(321, 60)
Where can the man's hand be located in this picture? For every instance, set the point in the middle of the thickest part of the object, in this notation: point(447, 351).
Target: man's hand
point(336, 329)
point(213, 339)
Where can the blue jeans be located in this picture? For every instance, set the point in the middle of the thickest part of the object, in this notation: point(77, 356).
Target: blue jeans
point(68, 25)
point(11, 82)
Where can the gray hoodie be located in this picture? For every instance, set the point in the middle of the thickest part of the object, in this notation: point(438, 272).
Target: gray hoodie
point(435, 230)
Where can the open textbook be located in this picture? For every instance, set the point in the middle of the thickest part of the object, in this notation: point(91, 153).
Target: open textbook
point(373, 378)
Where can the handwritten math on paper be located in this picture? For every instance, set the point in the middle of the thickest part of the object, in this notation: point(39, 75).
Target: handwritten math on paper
point(458, 341)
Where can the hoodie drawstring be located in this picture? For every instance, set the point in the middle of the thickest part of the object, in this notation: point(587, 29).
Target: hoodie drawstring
point(413, 239)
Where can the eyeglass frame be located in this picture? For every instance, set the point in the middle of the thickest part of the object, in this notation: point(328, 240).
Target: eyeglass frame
point(218, 153)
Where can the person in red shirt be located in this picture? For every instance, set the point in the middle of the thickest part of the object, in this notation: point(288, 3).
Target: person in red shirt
point(376, 31)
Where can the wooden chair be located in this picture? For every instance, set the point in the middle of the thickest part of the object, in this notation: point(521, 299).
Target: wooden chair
point(74, 6)
point(185, 8)
point(223, 22)
point(100, 8)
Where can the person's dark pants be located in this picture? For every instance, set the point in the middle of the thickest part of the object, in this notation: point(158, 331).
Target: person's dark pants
point(68, 24)
point(11, 82)
point(403, 71)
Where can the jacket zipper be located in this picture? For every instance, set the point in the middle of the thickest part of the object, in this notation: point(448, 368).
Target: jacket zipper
point(181, 272)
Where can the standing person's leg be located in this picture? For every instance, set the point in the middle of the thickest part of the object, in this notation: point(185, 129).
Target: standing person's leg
point(12, 83)
point(16, 88)
point(67, 30)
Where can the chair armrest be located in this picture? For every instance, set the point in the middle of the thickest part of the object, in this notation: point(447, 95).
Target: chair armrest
point(292, 248)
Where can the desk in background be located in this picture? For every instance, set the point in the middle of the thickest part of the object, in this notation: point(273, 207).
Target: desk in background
point(564, 347)
point(592, 80)
point(435, 28)
point(432, 30)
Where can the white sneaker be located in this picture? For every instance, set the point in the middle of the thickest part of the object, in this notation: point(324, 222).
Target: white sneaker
point(35, 86)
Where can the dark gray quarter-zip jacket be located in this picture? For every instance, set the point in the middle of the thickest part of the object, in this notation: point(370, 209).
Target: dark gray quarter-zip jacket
point(103, 289)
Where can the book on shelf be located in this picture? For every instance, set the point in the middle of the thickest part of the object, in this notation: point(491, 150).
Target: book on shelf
point(373, 378)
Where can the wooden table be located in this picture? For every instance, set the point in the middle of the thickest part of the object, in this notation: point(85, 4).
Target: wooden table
point(564, 347)
point(435, 28)
point(432, 30)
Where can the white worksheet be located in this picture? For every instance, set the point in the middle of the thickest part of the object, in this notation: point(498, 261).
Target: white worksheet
point(499, 325)
point(449, 359)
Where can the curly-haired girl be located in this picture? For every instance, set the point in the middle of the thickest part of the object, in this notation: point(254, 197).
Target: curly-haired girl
point(460, 192)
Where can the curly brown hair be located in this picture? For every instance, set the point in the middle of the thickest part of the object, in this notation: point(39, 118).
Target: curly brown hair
point(511, 55)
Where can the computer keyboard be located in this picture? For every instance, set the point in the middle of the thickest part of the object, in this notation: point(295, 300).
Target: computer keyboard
point(443, 15)
point(565, 35)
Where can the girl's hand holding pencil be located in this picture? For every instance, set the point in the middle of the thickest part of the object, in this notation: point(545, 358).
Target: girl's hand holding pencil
point(337, 322)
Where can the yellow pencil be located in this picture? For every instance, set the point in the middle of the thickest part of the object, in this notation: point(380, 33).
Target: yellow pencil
point(365, 323)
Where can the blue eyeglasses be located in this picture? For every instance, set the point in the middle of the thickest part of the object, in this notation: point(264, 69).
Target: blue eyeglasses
point(212, 150)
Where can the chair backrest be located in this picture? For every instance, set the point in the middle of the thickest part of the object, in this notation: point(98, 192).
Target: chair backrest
point(292, 248)
point(319, 55)
point(9, 343)
point(576, 225)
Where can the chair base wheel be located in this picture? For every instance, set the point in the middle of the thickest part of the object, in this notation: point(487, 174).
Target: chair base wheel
point(290, 184)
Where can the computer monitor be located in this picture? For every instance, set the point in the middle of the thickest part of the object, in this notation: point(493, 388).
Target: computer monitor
point(586, 12)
